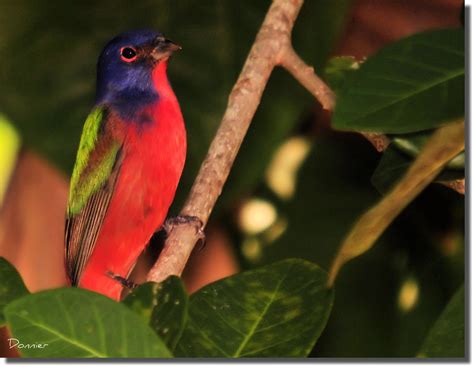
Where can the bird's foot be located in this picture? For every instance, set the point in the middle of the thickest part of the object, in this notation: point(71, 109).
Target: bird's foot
point(187, 219)
point(124, 281)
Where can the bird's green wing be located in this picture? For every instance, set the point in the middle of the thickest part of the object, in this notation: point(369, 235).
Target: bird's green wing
point(92, 185)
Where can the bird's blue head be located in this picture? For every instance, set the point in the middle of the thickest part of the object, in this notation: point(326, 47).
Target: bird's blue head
point(124, 70)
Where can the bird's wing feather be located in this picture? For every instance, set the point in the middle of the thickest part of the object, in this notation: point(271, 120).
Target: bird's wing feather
point(92, 185)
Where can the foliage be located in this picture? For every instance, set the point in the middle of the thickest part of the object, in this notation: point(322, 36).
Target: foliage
point(244, 315)
point(333, 192)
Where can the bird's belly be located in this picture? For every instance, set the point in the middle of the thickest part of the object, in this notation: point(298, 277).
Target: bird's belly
point(143, 194)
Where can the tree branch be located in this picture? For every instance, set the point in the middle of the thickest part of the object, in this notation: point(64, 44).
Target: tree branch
point(272, 47)
point(273, 36)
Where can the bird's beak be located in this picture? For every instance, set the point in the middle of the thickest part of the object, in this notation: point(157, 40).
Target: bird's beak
point(163, 48)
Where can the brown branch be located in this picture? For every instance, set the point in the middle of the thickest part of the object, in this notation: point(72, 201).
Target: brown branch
point(272, 38)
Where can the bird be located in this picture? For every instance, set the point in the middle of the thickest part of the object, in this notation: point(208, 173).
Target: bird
point(129, 162)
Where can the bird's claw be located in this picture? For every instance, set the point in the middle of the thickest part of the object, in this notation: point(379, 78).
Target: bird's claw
point(186, 219)
point(123, 281)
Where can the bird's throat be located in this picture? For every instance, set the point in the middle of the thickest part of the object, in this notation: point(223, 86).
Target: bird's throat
point(160, 80)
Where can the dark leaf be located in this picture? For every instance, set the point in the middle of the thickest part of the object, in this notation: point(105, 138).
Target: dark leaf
point(414, 84)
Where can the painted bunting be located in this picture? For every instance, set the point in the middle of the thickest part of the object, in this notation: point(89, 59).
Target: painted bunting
point(128, 164)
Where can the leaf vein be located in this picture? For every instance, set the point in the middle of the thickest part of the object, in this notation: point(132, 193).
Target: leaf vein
point(93, 352)
point(260, 318)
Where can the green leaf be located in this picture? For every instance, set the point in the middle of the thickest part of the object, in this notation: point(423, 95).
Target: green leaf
point(11, 286)
point(278, 310)
point(446, 338)
point(394, 163)
point(75, 323)
point(170, 313)
point(414, 84)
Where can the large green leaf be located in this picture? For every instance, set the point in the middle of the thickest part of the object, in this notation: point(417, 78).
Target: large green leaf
point(77, 323)
point(11, 286)
point(275, 311)
point(414, 84)
point(446, 338)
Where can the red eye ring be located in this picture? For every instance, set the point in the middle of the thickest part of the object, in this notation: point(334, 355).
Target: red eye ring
point(128, 54)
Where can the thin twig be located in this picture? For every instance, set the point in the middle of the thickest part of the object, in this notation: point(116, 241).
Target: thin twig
point(305, 74)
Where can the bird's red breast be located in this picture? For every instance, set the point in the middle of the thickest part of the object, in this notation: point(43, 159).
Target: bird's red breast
point(154, 152)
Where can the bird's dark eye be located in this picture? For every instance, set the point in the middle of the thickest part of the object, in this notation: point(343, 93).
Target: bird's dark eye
point(128, 54)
